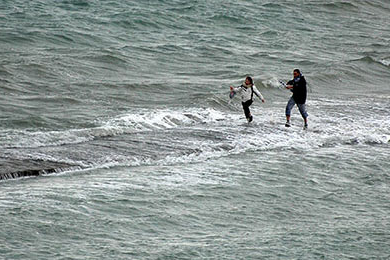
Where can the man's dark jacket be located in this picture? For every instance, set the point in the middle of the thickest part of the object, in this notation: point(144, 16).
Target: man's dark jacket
point(299, 90)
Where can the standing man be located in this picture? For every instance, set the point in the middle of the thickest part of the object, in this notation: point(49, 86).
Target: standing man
point(298, 87)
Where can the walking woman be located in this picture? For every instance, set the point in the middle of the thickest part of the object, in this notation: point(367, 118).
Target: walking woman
point(247, 89)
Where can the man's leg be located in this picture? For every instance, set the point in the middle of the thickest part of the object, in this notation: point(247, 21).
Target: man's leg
point(290, 105)
point(302, 110)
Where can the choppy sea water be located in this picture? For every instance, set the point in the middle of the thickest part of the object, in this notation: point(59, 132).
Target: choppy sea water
point(126, 105)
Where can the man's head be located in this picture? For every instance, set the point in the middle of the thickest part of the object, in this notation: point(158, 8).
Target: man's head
point(296, 73)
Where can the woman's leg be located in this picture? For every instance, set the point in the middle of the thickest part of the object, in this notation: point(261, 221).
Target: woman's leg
point(245, 106)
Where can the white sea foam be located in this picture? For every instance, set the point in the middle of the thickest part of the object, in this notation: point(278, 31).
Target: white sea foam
point(210, 133)
point(385, 62)
point(147, 120)
point(273, 82)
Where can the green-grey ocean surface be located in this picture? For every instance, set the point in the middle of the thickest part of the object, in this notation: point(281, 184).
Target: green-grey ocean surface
point(126, 104)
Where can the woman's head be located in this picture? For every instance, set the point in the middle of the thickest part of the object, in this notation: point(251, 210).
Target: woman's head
point(248, 81)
